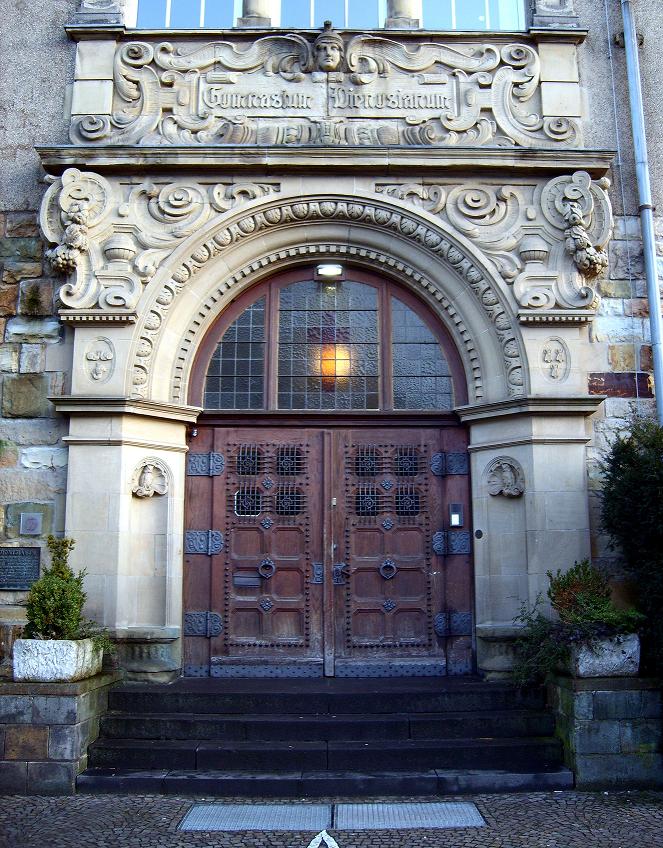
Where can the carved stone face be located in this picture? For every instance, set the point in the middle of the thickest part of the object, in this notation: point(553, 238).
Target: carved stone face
point(328, 55)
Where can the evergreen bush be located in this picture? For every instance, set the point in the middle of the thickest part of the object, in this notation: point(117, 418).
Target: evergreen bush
point(632, 515)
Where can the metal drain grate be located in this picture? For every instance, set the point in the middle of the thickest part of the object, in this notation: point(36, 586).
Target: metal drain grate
point(308, 817)
point(406, 816)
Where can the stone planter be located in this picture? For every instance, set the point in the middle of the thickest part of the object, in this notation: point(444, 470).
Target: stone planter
point(616, 657)
point(54, 660)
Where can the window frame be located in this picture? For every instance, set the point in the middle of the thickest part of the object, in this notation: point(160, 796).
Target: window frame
point(269, 289)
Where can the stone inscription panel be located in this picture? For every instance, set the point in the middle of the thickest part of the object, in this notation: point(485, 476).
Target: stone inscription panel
point(332, 89)
point(19, 567)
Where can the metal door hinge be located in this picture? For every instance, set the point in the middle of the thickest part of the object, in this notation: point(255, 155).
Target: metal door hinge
point(452, 624)
point(207, 542)
point(205, 464)
point(444, 464)
point(450, 542)
point(208, 624)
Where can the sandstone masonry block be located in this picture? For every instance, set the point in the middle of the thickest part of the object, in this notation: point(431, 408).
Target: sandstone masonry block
point(626, 260)
point(627, 705)
point(22, 224)
point(24, 742)
point(596, 737)
point(8, 299)
point(9, 357)
point(36, 298)
point(14, 272)
point(44, 457)
point(622, 357)
point(26, 396)
point(67, 741)
point(15, 709)
point(32, 330)
point(646, 358)
point(54, 709)
point(618, 772)
point(51, 778)
point(21, 249)
point(32, 359)
point(13, 517)
point(637, 307)
point(8, 456)
point(13, 778)
point(640, 736)
point(614, 288)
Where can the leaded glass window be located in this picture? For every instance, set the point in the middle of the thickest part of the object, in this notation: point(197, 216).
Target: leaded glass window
point(235, 377)
point(314, 345)
point(422, 379)
point(328, 347)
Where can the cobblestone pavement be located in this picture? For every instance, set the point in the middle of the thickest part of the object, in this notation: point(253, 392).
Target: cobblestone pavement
point(535, 820)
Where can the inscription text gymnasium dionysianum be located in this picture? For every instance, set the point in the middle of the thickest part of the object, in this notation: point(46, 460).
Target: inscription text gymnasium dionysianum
point(297, 89)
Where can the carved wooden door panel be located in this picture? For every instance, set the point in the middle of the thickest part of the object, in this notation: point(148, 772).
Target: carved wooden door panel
point(402, 575)
point(253, 597)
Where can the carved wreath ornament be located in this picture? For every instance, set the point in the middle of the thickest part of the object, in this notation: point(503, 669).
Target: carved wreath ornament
point(293, 89)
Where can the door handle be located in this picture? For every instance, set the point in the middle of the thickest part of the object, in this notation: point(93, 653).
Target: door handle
point(339, 572)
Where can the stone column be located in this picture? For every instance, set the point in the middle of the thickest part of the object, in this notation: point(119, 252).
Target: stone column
point(403, 14)
point(530, 508)
point(554, 14)
point(258, 13)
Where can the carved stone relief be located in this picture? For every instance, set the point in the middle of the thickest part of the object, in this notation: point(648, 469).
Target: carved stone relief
point(546, 241)
point(505, 477)
point(150, 479)
point(292, 89)
point(355, 211)
point(100, 360)
point(555, 360)
point(112, 238)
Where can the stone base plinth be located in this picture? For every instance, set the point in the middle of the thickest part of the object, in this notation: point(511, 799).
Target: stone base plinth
point(254, 22)
point(402, 23)
point(611, 730)
point(45, 730)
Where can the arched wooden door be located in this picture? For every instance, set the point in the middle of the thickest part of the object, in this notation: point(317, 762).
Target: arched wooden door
point(327, 503)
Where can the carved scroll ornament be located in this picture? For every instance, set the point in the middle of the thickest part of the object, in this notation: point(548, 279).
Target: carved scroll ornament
point(290, 89)
point(111, 239)
point(547, 241)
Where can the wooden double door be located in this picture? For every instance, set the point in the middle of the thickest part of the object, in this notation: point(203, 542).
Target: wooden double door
point(338, 551)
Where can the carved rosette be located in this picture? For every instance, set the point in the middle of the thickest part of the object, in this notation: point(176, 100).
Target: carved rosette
point(149, 479)
point(504, 477)
point(291, 89)
point(548, 242)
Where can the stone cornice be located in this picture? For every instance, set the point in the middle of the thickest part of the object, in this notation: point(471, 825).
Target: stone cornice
point(583, 405)
point(91, 405)
point(89, 32)
point(232, 159)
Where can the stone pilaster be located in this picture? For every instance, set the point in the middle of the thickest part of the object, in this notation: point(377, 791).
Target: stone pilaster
point(403, 14)
point(258, 13)
point(554, 14)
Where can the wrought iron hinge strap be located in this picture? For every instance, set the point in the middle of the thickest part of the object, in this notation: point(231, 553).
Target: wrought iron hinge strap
point(209, 542)
point(205, 464)
point(444, 464)
point(207, 624)
point(451, 542)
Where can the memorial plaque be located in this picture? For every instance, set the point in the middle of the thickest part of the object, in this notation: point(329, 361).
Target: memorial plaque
point(19, 567)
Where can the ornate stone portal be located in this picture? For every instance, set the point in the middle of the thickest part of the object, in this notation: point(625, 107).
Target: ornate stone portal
point(200, 167)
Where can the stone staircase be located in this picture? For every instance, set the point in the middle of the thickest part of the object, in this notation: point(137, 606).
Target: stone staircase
point(317, 738)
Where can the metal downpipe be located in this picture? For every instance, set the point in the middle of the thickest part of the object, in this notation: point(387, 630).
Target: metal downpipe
point(645, 199)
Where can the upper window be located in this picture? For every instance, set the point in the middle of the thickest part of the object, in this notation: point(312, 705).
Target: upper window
point(327, 343)
point(464, 15)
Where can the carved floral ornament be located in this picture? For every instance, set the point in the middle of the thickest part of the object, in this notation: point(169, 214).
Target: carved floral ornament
point(150, 479)
point(293, 89)
point(546, 241)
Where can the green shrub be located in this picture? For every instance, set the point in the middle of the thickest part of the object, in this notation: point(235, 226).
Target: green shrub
point(632, 515)
point(581, 598)
point(55, 602)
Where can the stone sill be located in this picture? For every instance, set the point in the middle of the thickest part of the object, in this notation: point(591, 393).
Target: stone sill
point(606, 684)
point(127, 159)
point(80, 687)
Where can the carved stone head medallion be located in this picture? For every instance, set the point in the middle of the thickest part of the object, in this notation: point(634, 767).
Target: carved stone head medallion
point(328, 49)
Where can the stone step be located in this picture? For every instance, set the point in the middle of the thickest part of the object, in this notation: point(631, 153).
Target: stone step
point(300, 697)
point(321, 784)
point(513, 723)
point(278, 757)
